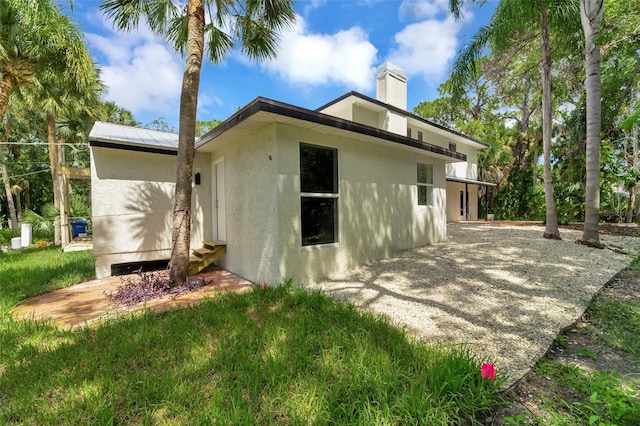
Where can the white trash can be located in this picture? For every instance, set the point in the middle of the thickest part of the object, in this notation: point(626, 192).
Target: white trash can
point(16, 243)
point(26, 234)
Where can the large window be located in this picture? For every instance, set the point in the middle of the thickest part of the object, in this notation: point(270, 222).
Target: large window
point(425, 184)
point(319, 194)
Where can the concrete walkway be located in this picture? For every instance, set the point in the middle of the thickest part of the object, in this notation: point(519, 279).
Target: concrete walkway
point(85, 303)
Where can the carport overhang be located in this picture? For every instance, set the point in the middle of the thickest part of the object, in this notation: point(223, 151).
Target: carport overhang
point(470, 181)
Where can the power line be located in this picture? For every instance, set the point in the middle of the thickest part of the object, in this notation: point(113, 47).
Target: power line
point(30, 173)
point(72, 145)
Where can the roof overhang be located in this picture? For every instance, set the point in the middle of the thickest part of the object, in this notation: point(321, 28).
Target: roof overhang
point(262, 112)
point(377, 106)
point(110, 135)
point(470, 181)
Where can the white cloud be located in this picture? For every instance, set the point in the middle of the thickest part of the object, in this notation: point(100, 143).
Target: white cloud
point(423, 9)
point(141, 72)
point(314, 4)
point(345, 58)
point(427, 47)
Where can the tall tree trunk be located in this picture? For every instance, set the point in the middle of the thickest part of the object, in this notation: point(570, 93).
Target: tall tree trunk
point(536, 154)
point(16, 191)
point(9, 194)
point(7, 185)
point(632, 201)
point(53, 161)
point(5, 92)
point(551, 229)
point(591, 15)
point(181, 228)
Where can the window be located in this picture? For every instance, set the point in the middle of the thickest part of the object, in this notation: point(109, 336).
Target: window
point(420, 136)
point(425, 184)
point(318, 194)
point(408, 132)
point(461, 203)
point(452, 146)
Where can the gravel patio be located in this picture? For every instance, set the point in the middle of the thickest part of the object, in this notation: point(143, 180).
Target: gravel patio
point(503, 290)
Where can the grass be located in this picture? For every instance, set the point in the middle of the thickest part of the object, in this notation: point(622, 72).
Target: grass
point(599, 398)
point(280, 356)
point(32, 271)
point(621, 322)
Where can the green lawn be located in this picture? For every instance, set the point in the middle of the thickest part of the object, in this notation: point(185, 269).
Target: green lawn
point(33, 271)
point(280, 356)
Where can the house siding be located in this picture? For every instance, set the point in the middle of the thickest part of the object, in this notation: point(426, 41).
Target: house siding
point(251, 205)
point(378, 211)
point(132, 197)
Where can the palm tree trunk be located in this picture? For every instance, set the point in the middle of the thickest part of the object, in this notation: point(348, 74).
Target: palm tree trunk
point(9, 194)
point(591, 15)
point(5, 179)
point(551, 229)
point(181, 228)
point(53, 160)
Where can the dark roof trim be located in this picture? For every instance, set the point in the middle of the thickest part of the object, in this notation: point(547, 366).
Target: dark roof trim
point(399, 111)
point(136, 148)
point(268, 105)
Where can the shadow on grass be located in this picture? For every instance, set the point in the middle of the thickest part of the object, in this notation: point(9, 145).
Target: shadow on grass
point(281, 356)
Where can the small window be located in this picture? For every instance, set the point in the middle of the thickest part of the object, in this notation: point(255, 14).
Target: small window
point(452, 146)
point(420, 136)
point(408, 132)
point(319, 194)
point(425, 184)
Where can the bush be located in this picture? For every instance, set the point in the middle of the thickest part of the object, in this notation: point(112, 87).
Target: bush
point(5, 235)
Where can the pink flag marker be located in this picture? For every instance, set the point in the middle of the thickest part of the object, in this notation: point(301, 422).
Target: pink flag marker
point(488, 371)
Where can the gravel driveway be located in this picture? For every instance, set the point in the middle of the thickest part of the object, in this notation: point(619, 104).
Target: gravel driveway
point(503, 290)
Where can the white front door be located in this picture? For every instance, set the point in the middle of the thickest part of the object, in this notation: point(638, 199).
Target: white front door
point(219, 203)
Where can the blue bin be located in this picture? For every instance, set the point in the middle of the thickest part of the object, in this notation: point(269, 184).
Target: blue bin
point(78, 227)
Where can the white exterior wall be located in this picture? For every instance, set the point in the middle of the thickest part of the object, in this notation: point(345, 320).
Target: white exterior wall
point(377, 208)
point(132, 197)
point(364, 116)
point(250, 166)
point(465, 169)
point(393, 122)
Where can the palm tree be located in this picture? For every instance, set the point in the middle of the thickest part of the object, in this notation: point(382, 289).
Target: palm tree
point(251, 24)
point(591, 16)
point(110, 112)
point(513, 17)
point(57, 95)
point(41, 46)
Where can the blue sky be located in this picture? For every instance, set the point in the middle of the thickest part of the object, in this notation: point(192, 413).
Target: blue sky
point(335, 46)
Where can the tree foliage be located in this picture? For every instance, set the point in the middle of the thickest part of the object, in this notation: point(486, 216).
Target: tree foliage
point(506, 77)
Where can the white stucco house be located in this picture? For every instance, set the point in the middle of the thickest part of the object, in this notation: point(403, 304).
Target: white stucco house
point(292, 192)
